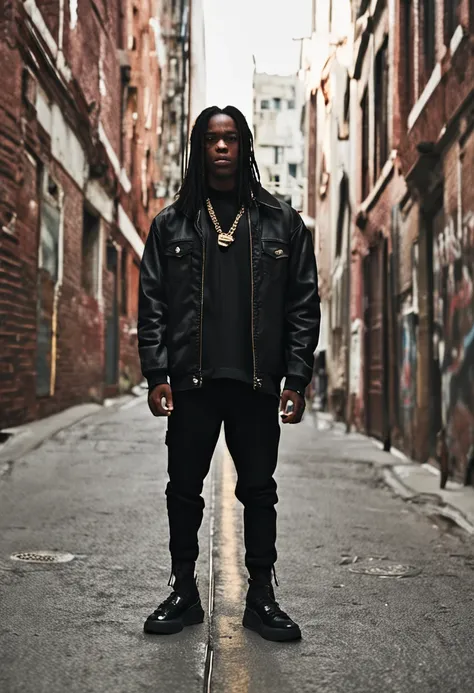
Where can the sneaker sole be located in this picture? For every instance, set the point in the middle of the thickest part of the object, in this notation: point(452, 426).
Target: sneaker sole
point(192, 617)
point(252, 621)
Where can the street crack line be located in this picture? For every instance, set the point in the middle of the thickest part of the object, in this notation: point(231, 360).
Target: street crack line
point(209, 659)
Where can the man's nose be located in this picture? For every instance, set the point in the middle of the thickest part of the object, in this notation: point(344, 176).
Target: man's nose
point(221, 144)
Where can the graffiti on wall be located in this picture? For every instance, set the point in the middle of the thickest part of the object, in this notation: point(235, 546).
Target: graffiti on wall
point(408, 364)
point(453, 328)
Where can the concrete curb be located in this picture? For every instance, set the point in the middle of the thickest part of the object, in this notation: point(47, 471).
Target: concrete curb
point(417, 483)
point(30, 436)
point(435, 501)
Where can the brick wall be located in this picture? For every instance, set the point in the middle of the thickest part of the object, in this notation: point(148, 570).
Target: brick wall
point(93, 95)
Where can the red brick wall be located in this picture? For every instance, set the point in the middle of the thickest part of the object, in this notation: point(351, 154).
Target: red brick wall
point(24, 151)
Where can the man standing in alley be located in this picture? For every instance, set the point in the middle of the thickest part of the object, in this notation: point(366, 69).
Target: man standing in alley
point(228, 308)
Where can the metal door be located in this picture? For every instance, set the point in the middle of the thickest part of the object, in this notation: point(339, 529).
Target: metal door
point(375, 352)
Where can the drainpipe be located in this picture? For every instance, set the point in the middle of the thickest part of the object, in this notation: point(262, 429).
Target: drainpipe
point(349, 412)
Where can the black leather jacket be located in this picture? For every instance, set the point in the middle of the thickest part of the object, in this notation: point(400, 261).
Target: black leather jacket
point(285, 300)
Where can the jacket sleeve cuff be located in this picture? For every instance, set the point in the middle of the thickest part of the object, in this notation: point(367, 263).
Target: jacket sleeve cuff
point(293, 382)
point(156, 378)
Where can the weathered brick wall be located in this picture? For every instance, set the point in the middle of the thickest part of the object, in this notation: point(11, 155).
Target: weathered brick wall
point(18, 262)
point(90, 50)
point(17, 241)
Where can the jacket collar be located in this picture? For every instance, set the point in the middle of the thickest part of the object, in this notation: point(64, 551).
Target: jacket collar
point(263, 197)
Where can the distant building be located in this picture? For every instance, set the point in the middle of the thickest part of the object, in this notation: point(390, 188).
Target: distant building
point(278, 103)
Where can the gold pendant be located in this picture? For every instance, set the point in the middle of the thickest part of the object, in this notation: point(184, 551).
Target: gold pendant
point(225, 239)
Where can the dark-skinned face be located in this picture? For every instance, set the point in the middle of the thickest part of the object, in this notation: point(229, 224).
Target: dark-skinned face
point(221, 145)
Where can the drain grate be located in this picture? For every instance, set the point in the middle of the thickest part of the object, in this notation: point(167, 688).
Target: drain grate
point(386, 571)
point(42, 557)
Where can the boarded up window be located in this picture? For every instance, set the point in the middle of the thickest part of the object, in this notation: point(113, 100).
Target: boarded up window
point(48, 271)
point(49, 236)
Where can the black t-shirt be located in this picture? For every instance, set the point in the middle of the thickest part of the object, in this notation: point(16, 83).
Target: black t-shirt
point(227, 321)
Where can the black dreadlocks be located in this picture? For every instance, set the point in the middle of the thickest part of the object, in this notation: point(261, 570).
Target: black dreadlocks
point(193, 192)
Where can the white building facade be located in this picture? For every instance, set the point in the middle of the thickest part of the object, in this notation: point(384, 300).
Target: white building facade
point(278, 105)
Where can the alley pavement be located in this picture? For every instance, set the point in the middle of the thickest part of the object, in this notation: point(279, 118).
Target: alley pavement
point(95, 489)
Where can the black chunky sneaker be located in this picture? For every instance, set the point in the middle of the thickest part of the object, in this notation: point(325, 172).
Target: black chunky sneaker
point(264, 616)
point(182, 608)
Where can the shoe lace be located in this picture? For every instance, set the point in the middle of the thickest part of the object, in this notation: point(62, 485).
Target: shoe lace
point(272, 607)
point(167, 601)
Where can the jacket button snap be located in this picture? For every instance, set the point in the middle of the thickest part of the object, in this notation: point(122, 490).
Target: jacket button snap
point(195, 380)
point(279, 252)
point(177, 250)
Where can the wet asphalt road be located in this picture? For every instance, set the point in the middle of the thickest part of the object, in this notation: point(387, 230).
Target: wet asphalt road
point(96, 490)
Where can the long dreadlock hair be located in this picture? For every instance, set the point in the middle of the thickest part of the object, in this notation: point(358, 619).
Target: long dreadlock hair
point(193, 192)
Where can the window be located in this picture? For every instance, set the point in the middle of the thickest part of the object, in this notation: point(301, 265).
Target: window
point(277, 104)
point(292, 170)
point(407, 48)
point(347, 101)
point(312, 157)
point(343, 129)
point(381, 109)
point(265, 105)
point(365, 145)
point(342, 214)
point(48, 276)
point(291, 105)
point(50, 222)
point(451, 14)
point(124, 281)
point(429, 38)
point(279, 155)
point(275, 179)
point(90, 252)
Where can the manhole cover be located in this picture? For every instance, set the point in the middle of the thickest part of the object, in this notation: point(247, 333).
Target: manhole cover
point(42, 557)
point(386, 571)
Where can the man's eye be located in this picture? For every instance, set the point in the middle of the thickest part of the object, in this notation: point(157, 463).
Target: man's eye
point(232, 138)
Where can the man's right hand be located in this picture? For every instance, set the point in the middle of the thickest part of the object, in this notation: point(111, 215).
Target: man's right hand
point(156, 397)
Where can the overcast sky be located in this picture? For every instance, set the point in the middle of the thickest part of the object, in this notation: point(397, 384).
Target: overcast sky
point(238, 29)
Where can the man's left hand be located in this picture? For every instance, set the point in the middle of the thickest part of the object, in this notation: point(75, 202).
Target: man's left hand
point(297, 412)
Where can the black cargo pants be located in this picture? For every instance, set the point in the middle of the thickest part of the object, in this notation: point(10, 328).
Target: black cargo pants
point(252, 434)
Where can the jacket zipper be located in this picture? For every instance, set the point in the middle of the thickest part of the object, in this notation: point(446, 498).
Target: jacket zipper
point(256, 381)
point(202, 305)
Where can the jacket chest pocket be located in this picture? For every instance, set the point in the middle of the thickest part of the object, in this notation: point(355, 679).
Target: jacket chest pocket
point(275, 256)
point(178, 257)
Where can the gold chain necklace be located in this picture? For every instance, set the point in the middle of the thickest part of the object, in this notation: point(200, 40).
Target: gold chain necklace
point(224, 239)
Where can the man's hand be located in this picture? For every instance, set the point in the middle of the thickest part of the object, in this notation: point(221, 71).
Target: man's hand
point(299, 404)
point(156, 397)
